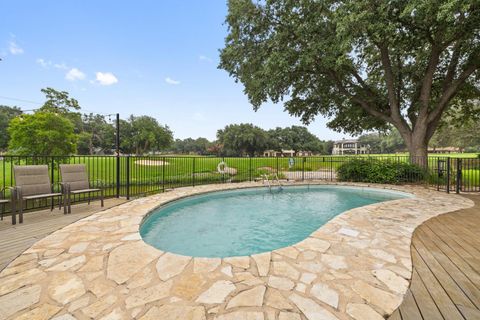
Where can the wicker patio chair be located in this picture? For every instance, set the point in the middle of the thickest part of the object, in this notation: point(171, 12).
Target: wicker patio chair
point(75, 181)
point(32, 182)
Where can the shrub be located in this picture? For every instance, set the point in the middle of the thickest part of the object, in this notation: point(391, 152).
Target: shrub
point(378, 171)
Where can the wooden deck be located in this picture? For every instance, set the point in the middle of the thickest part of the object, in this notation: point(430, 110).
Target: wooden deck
point(446, 268)
point(14, 239)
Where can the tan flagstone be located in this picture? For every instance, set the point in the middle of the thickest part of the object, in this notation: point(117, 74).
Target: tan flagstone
point(391, 280)
point(79, 303)
point(289, 252)
point(248, 298)
point(276, 300)
point(45, 311)
point(65, 287)
point(116, 314)
point(382, 254)
point(170, 265)
point(217, 292)
point(313, 244)
point(78, 247)
point(227, 270)
point(262, 260)
point(70, 264)
point(19, 300)
point(201, 265)
point(288, 316)
point(311, 309)
point(100, 286)
point(325, 294)
point(282, 268)
point(15, 281)
point(95, 263)
point(280, 283)
point(240, 262)
point(96, 308)
point(308, 277)
point(128, 259)
point(384, 300)
point(65, 316)
point(175, 312)
point(241, 315)
point(334, 261)
point(188, 286)
point(142, 296)
point(360, 311)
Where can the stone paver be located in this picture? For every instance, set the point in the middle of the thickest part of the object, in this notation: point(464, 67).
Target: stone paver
point(356, 266)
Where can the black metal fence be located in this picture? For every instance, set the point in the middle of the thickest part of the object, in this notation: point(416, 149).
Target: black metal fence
point(135, 176)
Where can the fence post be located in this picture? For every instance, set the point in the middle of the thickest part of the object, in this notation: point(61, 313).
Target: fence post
point(193, 172)
point(117, 191)
point(163, 175)
point(448, 174)
point(277, 165)
point(458, 180)
point(128, 177)
point(53, 172)
point(250, 169)
point(303, 169)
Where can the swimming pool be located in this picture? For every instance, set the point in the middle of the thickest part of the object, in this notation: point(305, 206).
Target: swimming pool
point(248, 221)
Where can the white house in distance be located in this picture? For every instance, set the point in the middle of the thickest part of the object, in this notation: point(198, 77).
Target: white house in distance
point(286, 153)
point(351, 146)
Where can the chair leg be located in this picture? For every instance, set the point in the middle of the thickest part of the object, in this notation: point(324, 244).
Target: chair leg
point(89, 197)
point(3, 210)
point(69, 203)
point(52, 203)
point(20, 215)
point(101, 197)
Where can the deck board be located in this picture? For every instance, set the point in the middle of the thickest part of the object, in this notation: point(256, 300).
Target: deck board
point(446, 268)
point(14, 239)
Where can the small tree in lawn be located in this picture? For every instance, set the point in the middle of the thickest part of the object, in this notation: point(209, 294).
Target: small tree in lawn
point(365, 64)
point(42, 134)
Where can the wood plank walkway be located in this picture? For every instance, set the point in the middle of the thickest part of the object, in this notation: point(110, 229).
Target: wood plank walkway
point(446, 268)
point(14, 239)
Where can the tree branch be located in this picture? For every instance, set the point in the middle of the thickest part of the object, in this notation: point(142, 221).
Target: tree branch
point(389, 78)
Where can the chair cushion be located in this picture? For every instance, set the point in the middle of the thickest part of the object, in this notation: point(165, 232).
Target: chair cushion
point(33, 180)
point(75, 175)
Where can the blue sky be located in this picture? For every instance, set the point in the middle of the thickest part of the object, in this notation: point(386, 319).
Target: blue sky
point(157, 58)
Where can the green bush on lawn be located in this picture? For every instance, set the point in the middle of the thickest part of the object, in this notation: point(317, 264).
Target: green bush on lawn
point(378, 171)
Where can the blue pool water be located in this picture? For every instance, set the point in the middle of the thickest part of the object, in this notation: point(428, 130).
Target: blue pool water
point(249, 221)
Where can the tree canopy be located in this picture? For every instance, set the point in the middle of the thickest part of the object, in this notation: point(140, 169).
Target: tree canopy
point(42, 133)
point(6, 115)
point(294, 138)
point(143, 134)
point(365, 64)
point(242, 139)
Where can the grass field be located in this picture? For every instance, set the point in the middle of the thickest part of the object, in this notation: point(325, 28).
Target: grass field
point(155, 173)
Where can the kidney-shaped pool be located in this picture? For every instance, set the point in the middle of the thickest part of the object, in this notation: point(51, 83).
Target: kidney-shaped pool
point(248, 221)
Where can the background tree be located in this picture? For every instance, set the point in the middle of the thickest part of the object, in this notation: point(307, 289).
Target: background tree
point(42, 134)
point(143, 134)
point(97, 136)
point(6, 114)
point(198, 146)
point(296, 138)
point(61, 103)
point(241, 139)
point(365, 64)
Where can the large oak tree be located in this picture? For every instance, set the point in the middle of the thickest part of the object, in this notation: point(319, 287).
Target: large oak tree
point(365, 64)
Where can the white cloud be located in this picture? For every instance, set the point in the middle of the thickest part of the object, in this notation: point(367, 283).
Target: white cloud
point(61, 66)
point(74, 74)
point(105, 78)
point(205, 58)
point(43, 63)
point(171, 81)
point(14, 48)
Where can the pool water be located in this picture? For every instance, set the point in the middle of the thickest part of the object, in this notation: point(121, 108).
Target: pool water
point(248, 221)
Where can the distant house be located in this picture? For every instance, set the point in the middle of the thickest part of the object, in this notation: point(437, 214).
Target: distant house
point(445, 150)
point(352, 146)
point(287, 153)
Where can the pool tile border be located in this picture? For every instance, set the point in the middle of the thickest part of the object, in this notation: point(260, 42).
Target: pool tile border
point(358, 266)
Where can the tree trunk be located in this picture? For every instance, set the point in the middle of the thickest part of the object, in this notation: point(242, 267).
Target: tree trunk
point(417, 144)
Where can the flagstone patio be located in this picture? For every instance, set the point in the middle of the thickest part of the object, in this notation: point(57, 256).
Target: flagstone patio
point(356, 266)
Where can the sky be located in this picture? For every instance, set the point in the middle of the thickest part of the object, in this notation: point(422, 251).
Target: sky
point(155, 58)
